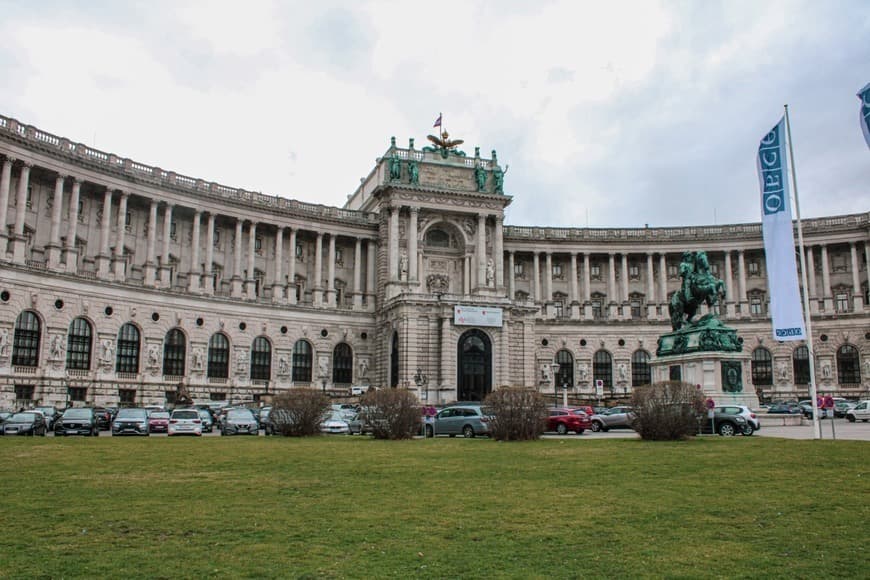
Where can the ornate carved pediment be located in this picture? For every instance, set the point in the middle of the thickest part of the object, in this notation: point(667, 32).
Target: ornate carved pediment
point(437, 283)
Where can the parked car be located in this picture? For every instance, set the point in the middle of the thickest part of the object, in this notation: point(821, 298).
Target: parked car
point(613, 418)
point(27, 423)
point(724, 424)
point(357, 424)
point(77, 421)
point(51, 415)
point(239, 421)
point(158, 422)
point(184, 422)
point(842, 407)
point(130, 421)
point(752, 421)
point(860, 412)
point(104, 418)
point(585, 409)
point(207, 420)
point(806, 409)
point(468, 420)
point(335, 422)
point(784, 409)
point(564, 420)
point(5, 415)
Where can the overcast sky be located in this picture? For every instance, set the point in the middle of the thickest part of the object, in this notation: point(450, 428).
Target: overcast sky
point(608, 113)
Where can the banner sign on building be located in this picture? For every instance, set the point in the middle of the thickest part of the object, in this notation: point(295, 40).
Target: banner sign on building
point(864, 114)
point(476, 316)
point(778, 233)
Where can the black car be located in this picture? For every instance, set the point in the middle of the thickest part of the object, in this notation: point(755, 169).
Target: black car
point(724, 424)
point(80, 421)
point(24, 424)
point(240, 421)
point(104, 418)
point(784, 409)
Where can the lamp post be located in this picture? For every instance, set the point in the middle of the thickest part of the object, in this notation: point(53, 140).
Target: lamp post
point(422, 382)
point(554, 366)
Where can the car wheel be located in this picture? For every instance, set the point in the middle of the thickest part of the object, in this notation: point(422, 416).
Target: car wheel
point(561, 429)
point(727, 430)
point(467, 432)
point(851, 418)
point(748, 430)
point(430, 431)
point(597, 426)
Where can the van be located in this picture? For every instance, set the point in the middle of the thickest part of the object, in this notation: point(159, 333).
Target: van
point(358, 390)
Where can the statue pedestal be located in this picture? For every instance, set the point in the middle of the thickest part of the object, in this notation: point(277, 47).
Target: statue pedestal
point(724, 377)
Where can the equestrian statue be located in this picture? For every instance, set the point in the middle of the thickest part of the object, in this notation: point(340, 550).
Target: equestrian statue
point(699, 286)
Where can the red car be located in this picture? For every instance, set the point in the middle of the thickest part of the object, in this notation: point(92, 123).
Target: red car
point(563, 420)
point(158, 422)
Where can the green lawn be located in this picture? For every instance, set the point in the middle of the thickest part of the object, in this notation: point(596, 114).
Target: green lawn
point(447, 508)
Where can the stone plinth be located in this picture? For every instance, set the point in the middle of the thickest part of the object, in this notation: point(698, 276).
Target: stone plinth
point(724, 377)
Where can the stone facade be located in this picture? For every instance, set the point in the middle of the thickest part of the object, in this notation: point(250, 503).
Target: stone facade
point(120, 280)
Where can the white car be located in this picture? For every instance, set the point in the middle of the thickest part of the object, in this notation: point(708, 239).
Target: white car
point(335, 423)
point(185, 422)
point(751, 418)
point(860, 412)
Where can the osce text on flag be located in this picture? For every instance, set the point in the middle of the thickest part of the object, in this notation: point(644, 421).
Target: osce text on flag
point(778, 233)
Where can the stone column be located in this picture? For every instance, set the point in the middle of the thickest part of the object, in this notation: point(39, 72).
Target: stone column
point(572, 288)
point(587, 288)
point(193, 277)
point(857, 295)
point(624, 270)
point(394, 245)
point(150, 272)
point(357, 274)
point(536, 277)
point(21, 213)
point(330, 274)
point(291, 271)
point(209, 256)
point(165, 271)
point(730, 311)
point(278, 282)
point(103, 257)
point(826, 281)
point(481, 250)
point(250, 280)
point(548, 277)
point(371, 258)
point(5, 184)
point(612, 297)
point(71, 256)
point(466, 268)
point(650, 288)
point(318, 270)
point(663, 282)
point(511, 282)
point(413, 259)
point(236, 282)
point(53, 245)
point(118, 261)
point(811, 281)
point(498, 253)
point(741, 283)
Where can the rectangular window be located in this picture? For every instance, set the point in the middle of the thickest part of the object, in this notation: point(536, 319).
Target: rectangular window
point(714, 269)
point(596, 308)
point(560, 309)
point(258, 244)
point(518, 269)
point(78, 394)
point(217, 237)
point(595, 271)
point(841, 302)
point(217, 396)
point(635, 308)
point(173, 231)
point(298, 250)
point(24, 392)
point(29, 203)
point(127, 397)
point(557, 270)
point(755, 306)
point(634, 272)
point(754, 268)
point(128, 218)
point(339, 256)
point(673, 271)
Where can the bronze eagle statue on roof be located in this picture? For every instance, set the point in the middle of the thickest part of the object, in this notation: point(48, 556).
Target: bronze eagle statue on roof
point(444, 142)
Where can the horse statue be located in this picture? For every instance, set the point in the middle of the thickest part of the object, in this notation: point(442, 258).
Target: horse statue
point(699, 286)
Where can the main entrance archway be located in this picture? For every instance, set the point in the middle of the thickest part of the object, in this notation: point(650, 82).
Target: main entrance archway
point(474, 366)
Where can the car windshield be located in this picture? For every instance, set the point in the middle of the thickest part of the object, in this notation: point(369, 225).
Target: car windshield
point(131, 414)
point(240, 415)
point(159, 415)
point(77, 414)
point(22, 418)
point(189, 414)
point(204, 414)
point(46, 410)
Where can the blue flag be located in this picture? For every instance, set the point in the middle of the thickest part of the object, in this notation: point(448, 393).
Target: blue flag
point(864, 95)
point(778, 233)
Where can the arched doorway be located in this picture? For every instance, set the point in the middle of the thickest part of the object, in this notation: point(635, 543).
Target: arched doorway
point(474, 368)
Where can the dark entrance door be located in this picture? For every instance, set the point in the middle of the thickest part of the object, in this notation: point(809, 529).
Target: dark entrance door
point(474, 366)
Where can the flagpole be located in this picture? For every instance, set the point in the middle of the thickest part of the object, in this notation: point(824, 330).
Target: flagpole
point(817, 429)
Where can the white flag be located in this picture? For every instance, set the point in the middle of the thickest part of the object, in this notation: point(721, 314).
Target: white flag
point(864, 114)
point(778, 232)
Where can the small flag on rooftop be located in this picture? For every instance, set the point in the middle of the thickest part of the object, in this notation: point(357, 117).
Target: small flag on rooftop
point(437, 121)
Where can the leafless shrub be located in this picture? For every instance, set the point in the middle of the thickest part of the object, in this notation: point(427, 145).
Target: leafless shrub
point(667, 411)
point(298, 412)
point(391, 413)
point(517, 414)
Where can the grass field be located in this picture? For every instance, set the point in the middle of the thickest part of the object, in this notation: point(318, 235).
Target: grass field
point(446, 508)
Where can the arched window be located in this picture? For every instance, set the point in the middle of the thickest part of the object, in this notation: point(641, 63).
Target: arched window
point(437, 238)
point(25, 344)
point(641, 374)
point(127, 356)
point(848, 365)
point(302, 362)
point(342, 364)
point(394, 361)
point(261, 359)
point(602, 368)
point(218, 356)
point(762, 367)
point(174, 351)
point(565, 374)
point(800, 362)
point(78, 345)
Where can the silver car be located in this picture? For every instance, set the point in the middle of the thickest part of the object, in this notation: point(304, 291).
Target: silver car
point(613, 418)
point(130, 422)
point(240, 421)
point(467, 420)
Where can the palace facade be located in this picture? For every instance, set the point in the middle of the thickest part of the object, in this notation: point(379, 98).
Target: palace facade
point(119, 281)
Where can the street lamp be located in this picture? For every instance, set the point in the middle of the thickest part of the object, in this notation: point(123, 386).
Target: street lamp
point(422, 382)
